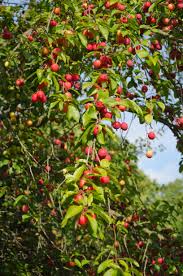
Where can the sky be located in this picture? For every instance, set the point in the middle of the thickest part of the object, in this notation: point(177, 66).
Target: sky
point(164, 165)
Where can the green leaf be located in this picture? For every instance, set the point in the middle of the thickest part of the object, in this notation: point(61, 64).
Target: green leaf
point(135, 271)
point(52, 105)
point(104, 163)
point(113, 272)
point(148, 118)
point(134, 107)
point(99, 193)
point(100, 138)
point(78, 173)
point(86, 84)
point(132, 261)
point(113, 2)
point(67, 195)
point(104, 31)
point(104, 265)
point(111, 134)
point(126, 274)
point(61, 104)
point(83, 39)
point(19, 198)
point(90, 200)
point(2, 191)
point(101, 171)
point(26, 217)
point(161, 105)
point(4, 163)
point(89, 115)
point(124, 264)
point(57, 86)
point(84, 262)
point(113, 83)
point(99, 211)
point(63, 57)
point(71, 212)
point(85, 134)
point(93, 224)
point(39, 73)
point(151, 8)
point(78, 263)
point(73, 113)
point(142, 53)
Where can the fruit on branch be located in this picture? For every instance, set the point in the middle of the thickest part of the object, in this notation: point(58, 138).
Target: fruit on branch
point(48, 168)
point(130, 63)
point(116, 125)
point(97, 64)
point(179, 122)
point(40, 181)
point(25, 208)
point(166, 20)
point(71, 264)
point(127, 41)
point(124, 20)
point(160, 260)
point(104, 179)
point(108, 157)
point(67, 85)
point(57, 10)
point(180, 5)
point(151, 135)
point(96, 130)
point(82, 182)
point(149, 154)
point(82, 220)
point(45, 51)
point(102, 153)
point(68, 77)
point(94, 216)
point(119, 90)
point(57, 142)
point(144, 88)
point(146, 6)
point(55, 67)
point(88, 174)
point(120, 7)
point(140, 244)
point(124, 126)
point(99, 105)
point(126, 225)
point(78, 197)
point(20, 82)
point(6, 34)
point(39, 96)
point(30, 38)
point(29, 123)
point(88, 150)
point(53, 23)
point(171, 6)
point(88, 105)
point(103, 78)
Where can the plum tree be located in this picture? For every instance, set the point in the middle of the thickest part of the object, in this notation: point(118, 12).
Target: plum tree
point(71, 189)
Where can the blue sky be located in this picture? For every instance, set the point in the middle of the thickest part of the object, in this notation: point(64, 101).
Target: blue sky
point(164, 165)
